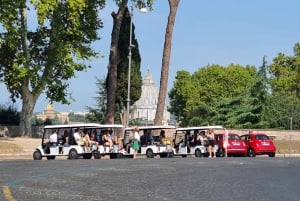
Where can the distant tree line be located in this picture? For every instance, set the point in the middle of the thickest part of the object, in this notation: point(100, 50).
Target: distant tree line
point(9, 115)
point(240, 96)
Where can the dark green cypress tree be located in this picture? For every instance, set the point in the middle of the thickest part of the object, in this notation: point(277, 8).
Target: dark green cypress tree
point(136, 77)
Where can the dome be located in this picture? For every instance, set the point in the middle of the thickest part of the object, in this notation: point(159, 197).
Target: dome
point(145, 107)
point(149, 94)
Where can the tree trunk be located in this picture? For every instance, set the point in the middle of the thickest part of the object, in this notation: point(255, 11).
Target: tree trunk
point(165, 63)
point(28, 103)
point(28, 99)
point(113, 64)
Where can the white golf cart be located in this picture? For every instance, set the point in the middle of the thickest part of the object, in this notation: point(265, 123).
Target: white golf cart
point(67, 146)
point(185, 143)
point(150, 144)
point(113, 132)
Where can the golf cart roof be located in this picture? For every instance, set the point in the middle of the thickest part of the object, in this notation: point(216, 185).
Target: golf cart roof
point(84, 125)
point(150, 127)
point(198, 128)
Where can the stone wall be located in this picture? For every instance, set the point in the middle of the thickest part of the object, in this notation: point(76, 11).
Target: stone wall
point(13, 131)
point(275, 134)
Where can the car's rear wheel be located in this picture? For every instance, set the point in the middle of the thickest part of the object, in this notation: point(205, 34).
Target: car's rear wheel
point(272, 155)
point(149, 153)
point(73, 154)
point(37, 155)
point(251, 153)
point(198, 153)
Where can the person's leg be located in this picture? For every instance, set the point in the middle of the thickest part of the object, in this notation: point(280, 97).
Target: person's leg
point(209, 150)
point(134, 153)
point(214, 150)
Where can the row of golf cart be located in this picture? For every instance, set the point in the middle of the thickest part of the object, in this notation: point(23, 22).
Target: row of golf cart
point(153, 142)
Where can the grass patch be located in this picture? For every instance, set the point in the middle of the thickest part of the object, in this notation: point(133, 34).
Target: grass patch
point(9, 147)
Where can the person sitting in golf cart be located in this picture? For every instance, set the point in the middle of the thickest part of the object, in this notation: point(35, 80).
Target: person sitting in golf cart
point(196, 140)
point(162, 138)
point(203, 138)
point(53, 139)
point(77, 137)
point(107, 140)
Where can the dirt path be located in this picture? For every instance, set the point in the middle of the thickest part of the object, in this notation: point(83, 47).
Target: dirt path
point(28, 146)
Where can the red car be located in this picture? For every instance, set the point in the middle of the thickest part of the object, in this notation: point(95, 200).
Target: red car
point(236, 146)
point(259, 144)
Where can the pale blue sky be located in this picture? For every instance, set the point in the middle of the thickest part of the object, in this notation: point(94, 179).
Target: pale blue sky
point(205, 32)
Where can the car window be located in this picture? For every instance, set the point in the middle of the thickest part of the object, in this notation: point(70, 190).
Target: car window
point(234, 137)
point(245, 137)
point(218, 137)
point(261, 137)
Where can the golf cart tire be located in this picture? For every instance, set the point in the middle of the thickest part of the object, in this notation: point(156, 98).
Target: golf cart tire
point(198, 153)
point(119, 155)
point(97, 155)
point(37, 155)
point(149, 153)
point(171, 154)
point(73, 154)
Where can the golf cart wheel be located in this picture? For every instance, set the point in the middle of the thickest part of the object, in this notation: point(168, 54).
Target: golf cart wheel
point(73, 154)
point(37, 155)
point(149, 153)
point(119, 155)
point(50, 157)
point(198, 153)
point(97, 155)
point(251, 153)
point(171, 154)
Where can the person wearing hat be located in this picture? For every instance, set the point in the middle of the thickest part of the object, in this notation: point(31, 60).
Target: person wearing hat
point(136, 141)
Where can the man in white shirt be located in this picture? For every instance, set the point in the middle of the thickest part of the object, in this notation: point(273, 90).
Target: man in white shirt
point(53, 138)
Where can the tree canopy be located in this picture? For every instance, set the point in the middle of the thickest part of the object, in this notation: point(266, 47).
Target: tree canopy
point(42, 57)
point(240, 96)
